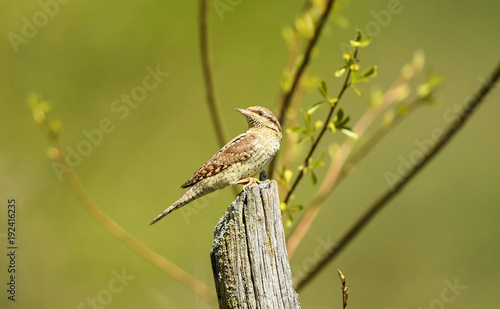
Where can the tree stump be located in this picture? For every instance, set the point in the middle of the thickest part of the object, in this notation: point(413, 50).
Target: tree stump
point(249, 257)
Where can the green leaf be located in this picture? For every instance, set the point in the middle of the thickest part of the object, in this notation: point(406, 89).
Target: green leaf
point(340, 71)
point(295, 208)
point(314, 107)
point(364, 42)
point(368, 73)
point(340, 114)
point(323, 89)
point(319, 161)
point(314, 178)
point(340, 121)
point(349, 132)
point(341, 124)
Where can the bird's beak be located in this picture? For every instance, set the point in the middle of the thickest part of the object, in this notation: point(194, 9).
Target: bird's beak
point(244, 112)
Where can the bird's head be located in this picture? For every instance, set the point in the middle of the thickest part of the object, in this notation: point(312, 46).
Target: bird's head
point(260, 118)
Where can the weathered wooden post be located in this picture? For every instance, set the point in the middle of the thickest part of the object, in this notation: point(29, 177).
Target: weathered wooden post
point(249, 257)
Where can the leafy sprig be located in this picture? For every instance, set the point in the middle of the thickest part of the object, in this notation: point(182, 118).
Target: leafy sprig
point(351, 67)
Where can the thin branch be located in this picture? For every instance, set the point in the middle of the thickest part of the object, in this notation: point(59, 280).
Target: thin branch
point(291, 140)
point(337, 165)
point(290, 144)
point(220, 131)
point(56, 152)
point(207, 75)
point(287, 95)
point(383, 200)
point(345, 289)
point(323, 129)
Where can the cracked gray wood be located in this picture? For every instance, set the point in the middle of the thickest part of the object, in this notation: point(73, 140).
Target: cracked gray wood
point(249, 258)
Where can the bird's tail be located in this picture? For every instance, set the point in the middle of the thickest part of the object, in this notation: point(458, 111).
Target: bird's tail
point(193, 193)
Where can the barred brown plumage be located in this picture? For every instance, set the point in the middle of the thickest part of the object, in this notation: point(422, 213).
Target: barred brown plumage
point(244, 156)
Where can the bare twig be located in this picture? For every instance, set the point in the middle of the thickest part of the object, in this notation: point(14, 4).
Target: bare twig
point(383, 200)
point(207, 74)
point(345, 289)
point(56, 152)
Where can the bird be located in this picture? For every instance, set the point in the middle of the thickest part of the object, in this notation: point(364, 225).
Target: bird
point(244, 156)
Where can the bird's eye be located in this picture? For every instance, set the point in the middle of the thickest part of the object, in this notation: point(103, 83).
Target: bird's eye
point(261, 113)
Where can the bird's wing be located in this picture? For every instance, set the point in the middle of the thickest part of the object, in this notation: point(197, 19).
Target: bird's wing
point(239, 149)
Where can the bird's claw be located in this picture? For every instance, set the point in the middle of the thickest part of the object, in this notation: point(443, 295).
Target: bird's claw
point(248, 182)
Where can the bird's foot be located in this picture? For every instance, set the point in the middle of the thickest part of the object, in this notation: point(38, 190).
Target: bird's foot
point(248, 182)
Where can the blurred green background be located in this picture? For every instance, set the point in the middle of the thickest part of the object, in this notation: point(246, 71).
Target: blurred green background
point(443, 228)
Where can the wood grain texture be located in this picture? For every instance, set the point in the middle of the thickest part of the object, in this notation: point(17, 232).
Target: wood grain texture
point(249, 258)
